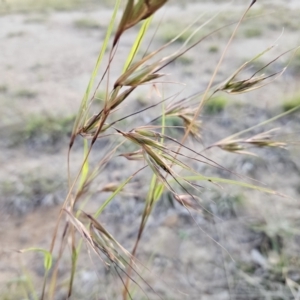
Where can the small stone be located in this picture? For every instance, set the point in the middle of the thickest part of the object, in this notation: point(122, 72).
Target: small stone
point(258, 258)
point(48, 200)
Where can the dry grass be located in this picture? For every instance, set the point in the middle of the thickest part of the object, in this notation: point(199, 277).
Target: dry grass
point(173, 162)
point(27, 6)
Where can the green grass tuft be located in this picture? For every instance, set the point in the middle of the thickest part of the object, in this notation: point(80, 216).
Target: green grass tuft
point(86, 23)
point(253, 32)
point(53, 127)
point(15, 34)
point(295, 64)
point(170, 30)
point(213, 49)
point(26, 93)
point(42, 18)
point(291, 103)
point(29, 6)
point(185, 60)
point(40, 131)
point(36, 188)
point(3, 88)
point(216, 104)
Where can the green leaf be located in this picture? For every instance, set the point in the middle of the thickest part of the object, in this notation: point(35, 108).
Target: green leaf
point(135, 47)
point(84, 103)
point(233, 182)
point(47, 256)
point(85, 169)
point(112, 196)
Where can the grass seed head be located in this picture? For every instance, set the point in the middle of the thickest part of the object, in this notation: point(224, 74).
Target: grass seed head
point(243, 86)
point(187, 201)
point(232, 147)
point(136, 12)
point(110, 187)
point(136, 155)
point(264, 139)
point(118, 99)
point(138, 77)
point(187, 116)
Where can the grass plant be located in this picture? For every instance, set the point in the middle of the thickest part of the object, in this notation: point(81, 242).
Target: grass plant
point(86, 23)
point(216, 104)
point(26, 93)
point(213, 49)
point(43, 130)
point(3, 88)
point(185, 60)
point(171, 30)
point(171, 161)
point(253, 32)
point(16, 34)
point(37, 19)
point(295, 67)
point(291, 103)
point(28, 6)
point(32, 193)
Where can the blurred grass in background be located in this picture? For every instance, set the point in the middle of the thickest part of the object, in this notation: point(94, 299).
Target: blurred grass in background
point(26, 6)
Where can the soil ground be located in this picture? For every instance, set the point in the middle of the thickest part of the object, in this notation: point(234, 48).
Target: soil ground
point(243, 245)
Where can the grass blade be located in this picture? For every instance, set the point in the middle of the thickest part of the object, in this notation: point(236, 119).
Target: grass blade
point(83, 105)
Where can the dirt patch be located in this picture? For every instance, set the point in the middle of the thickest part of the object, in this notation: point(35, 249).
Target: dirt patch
point(244, 245)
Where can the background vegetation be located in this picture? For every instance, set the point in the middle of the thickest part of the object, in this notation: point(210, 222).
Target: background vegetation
point(183, 165)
